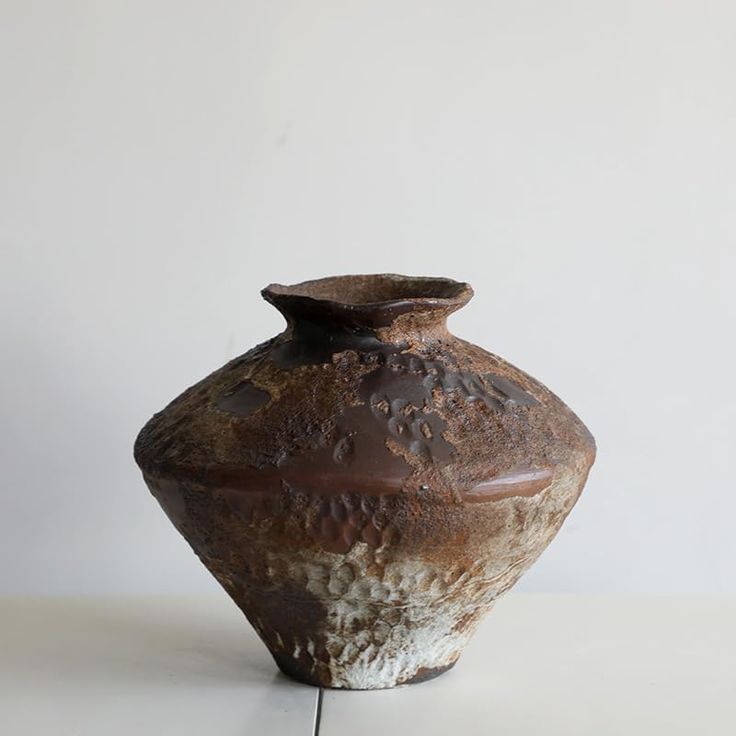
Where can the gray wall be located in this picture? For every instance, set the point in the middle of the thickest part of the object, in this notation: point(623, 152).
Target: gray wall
point(161, 161)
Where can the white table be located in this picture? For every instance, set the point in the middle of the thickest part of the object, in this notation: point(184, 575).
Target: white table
point(538, 665)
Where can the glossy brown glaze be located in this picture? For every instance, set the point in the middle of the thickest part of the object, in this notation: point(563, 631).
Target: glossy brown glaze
point(365, 485)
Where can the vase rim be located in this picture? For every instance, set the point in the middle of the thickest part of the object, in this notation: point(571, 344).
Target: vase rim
point(370, 299)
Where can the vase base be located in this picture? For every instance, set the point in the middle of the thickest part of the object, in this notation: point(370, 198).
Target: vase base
point(293, 670)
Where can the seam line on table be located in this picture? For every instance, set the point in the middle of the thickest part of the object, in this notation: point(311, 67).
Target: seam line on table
point(318, 713)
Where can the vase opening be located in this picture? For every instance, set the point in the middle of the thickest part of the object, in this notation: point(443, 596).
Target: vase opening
point(370, 300)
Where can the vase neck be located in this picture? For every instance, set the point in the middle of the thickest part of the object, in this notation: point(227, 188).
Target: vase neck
point(386, 306)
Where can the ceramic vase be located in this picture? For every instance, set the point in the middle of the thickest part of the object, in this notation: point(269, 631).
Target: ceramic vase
point(366, 485)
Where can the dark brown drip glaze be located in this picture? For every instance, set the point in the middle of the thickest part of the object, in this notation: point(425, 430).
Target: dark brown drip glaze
point(243, 399)
point(399, 399)
point(312, 343)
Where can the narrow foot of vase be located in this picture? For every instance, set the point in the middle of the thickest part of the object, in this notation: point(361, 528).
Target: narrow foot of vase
point(358, 677)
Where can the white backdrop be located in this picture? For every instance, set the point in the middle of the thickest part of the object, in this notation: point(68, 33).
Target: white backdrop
point(161, 161)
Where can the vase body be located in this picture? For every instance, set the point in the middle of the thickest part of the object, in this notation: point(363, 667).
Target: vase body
point(366, 485)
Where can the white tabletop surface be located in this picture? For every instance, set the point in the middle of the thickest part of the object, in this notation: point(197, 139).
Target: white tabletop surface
point(538, 665)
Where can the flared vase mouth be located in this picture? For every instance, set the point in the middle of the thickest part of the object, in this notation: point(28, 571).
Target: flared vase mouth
point(368, 300)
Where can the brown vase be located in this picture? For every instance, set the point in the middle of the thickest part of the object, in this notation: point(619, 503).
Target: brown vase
point(365, 485)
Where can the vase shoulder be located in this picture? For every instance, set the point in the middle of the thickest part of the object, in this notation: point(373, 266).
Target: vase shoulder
point(350, 412)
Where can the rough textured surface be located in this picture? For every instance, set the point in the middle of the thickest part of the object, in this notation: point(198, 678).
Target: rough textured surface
point(366, 485)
